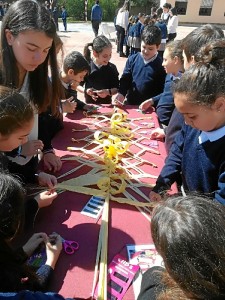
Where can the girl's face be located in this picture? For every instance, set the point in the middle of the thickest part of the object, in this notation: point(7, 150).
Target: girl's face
point(199, 116)
point(30, 48)
point(17, 138)
point(76, 79)
point(148, 51)
point(103, 57)
point(171, 65)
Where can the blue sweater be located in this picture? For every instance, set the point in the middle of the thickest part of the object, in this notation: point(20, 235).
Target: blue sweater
point(96, 13)
point(141, 81)
point(202, 165)
point(28, 295)
point(164, 103)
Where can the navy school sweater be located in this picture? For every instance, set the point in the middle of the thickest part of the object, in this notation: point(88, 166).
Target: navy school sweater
point(164, 103)
point(141, 81)
point(106, 77)
point(202, 165)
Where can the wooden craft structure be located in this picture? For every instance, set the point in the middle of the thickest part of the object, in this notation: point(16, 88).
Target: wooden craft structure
point(106, 145)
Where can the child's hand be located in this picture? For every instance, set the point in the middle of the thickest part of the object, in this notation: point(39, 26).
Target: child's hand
point(154, 196)
point(91, 108)
point(69, 105)
point(34, 242)
point(52, 162)
point(102, 93)
point(146, 104)
point(92, 92)
point(157, 134)
point(45, 198)
point(31, 147)
point(53, 249)
point(48, 180)
point(118, 100)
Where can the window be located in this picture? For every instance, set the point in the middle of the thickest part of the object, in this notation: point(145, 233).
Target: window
point(181, 7)
point(206, 8)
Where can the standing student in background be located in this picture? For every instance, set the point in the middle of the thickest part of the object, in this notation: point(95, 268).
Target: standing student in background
point(27, 47)
point(137, 31)
point(188, 232)
point(96, 17)
point(200, 97)
point(103, 81)
point(172, 24)
point(64, 16)
point(162, 26)
point(122, 20)
point(165, 14)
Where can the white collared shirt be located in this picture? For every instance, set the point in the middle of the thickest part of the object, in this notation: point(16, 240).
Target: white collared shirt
point(151, 59)
point(211, 136)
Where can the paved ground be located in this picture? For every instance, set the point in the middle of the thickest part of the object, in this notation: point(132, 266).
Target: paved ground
point(79, 34)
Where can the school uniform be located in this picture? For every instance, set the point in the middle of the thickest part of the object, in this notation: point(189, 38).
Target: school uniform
point(175, 124)
point(69, 92)
point(200, 157)
point(101, 77)
point(164, 103)
point(142, 79)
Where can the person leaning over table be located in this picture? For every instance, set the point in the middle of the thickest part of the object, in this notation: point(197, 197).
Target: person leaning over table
point(28, 31)
point(75, 69)
point(188, 233)
point(143, 76)
point(16, 274)
point(198, 149)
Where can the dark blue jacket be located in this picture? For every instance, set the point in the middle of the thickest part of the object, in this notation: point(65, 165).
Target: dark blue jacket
point(137, 29)
point(202, 165)
point(162, 26)
point(64, 15)
point(164, 103)
point(96, 13)
point(175, 124)
point(141, 81)
point(28, 295)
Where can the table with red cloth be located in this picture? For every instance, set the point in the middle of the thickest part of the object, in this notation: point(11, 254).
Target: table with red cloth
point(73, 275)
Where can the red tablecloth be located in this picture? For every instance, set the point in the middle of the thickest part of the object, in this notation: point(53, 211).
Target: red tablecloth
point(74, 273)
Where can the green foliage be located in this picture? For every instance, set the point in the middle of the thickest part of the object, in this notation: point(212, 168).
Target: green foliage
point(76, 8)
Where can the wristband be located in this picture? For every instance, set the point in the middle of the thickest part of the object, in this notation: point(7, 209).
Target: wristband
point(110, 92)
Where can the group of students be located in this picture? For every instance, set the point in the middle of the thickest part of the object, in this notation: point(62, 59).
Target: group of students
point(187, 231)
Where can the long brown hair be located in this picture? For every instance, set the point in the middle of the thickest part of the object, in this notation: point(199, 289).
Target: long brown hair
point(189, 234)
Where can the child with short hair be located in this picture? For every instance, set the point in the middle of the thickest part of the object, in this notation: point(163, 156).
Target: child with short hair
point(164, 103)
point(75, 69)
point(103, 81)
point(143, 76)
point(198, 150)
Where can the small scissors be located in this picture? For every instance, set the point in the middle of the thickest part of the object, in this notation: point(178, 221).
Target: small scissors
point(70, 246)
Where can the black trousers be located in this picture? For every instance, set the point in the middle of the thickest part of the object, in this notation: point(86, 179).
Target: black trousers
point(121, 37)
point(171, 36)
point(95, 26)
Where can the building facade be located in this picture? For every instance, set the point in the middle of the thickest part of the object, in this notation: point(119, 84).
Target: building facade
point(199, 11)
